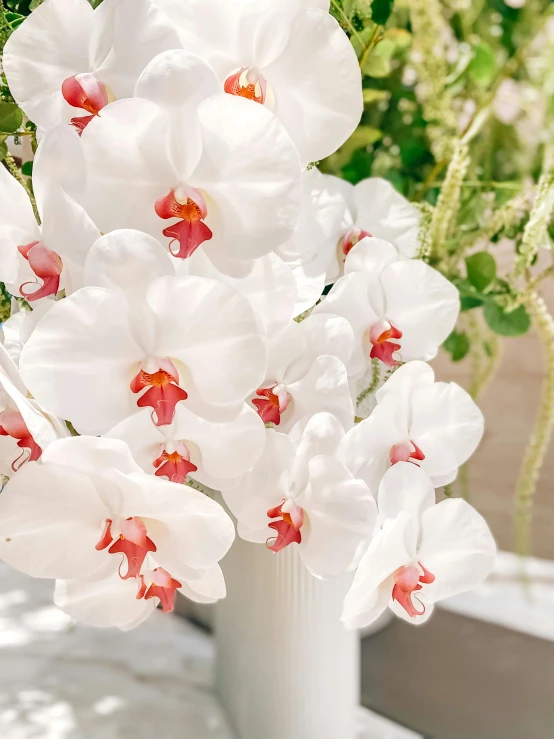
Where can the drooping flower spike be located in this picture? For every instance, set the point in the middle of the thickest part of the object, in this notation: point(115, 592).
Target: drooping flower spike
point(288, 56)
point(400, 310)
point(422, 554)
point(143, 338)
point(434, 425)
point(25, 429)
point(66, 62)
point(231, 185)
point(300, 494)
point(86, 513)
point(214, 454)
point(38, 261)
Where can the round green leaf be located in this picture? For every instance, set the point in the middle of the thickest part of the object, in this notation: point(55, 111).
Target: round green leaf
point(482, 68)
point(381, 10)
point(457, 345)
point(11, 117)
point(481, 270)
point(514, 323)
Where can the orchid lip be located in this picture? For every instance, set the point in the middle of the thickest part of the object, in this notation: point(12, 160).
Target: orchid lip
point(408, 580)
point(380, 335)
point(47, 266)
point(351, 238)
point(135, 545)
point(85, 91)
point(12, 424)
point(250, 83)
point(288, 528)
point(273, 403)
point(406, 452)
point(174, 462)
point(163, 391)
point(189, 206)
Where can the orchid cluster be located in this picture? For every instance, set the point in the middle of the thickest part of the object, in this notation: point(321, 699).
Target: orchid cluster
point(198, 308)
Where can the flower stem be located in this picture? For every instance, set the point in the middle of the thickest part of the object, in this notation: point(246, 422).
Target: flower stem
point(542, 431)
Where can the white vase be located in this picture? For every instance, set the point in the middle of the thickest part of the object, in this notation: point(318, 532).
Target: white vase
point(286, 668)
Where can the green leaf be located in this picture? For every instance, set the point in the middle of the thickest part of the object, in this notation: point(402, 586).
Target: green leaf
point(482, 68)
point(3, 148)
point(363, 136)
point(457, 345)
point(514, 323)
point(11, 117)
point(481, 270)
point(378, 63)
point(35, 3)
point(27, 169)
point(467, 302)
point(381, 10)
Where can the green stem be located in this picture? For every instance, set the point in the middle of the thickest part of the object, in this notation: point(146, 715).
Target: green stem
point(16, 172)
point(374, 382)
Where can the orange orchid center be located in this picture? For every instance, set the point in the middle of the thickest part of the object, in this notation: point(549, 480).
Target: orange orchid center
point(273, 403)
point(408, 580)
point(12, 424)
point(287, 528)
point(249, 83)
point(188, 205)
point(85, 91)
point(163, 391)
point(380, 335)
point(47, 266)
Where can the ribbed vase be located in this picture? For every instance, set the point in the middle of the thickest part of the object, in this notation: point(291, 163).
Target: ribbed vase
point(286, 667)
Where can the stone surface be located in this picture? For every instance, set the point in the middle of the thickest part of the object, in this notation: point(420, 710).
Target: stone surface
point(59, 680)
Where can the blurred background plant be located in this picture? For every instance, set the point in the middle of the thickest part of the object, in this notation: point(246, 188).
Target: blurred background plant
point(459, 117)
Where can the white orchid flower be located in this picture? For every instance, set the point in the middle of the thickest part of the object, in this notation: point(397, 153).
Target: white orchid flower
point(25, 429)
point(125, 541)
point(374, 207)
point(214, 454)
point(67, 62)
point(306, 373)
point(286, 55)
point(143, 337)
point(435, 425)
point(38, 261)
point(299, 493)
point(422, 554)
point(199, 168)
point(399, 309)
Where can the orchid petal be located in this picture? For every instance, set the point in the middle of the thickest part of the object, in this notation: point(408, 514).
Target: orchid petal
point(71, 360)
point(456, 546)
point(251, 171)
point(50, 521)
point(386, 214)
point(103, 603)
point(341, 517)
point(317, 71)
